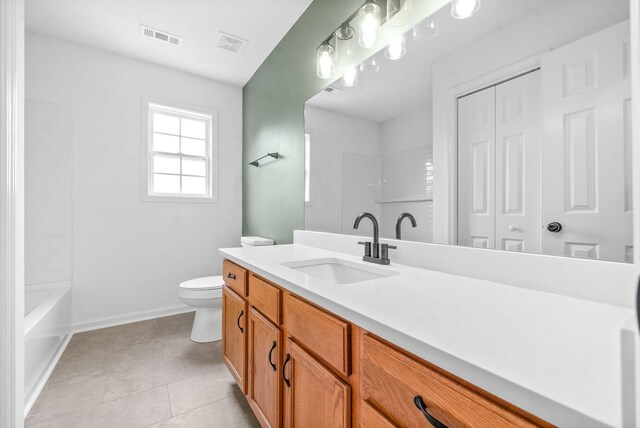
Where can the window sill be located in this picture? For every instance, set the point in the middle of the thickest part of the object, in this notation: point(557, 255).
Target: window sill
point(179, 199)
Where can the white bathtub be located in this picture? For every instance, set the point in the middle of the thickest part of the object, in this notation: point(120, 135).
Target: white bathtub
point(47, 328)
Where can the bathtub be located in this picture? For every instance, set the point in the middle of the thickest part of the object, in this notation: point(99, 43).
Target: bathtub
point(47, 329)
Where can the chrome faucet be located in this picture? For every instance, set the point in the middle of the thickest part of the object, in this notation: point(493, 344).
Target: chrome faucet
point(399, 223)
point(373, 251)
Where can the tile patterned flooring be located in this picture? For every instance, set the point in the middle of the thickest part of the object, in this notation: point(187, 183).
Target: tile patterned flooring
point(144, 374)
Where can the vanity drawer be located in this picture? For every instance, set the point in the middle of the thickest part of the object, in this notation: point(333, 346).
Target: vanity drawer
point(265, 298)
point(324, 334)
point(372, 418)
point(393, 381)
point(235, 277)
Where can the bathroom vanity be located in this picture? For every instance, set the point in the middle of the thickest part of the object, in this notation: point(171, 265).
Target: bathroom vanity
point(312, 342)
point(301, 365)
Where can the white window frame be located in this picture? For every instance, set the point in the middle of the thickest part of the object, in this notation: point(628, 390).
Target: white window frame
point(149, 106)
point(307, 169)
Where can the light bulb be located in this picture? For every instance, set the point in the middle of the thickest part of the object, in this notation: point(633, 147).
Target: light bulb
point(462, 9)
point(368, 24)
point(399, 12)
point(325, 61)
point(350, 78)
point(397, 48)
point(344, 43)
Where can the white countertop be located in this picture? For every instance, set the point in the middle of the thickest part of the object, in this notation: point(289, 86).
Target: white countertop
point(555, 356)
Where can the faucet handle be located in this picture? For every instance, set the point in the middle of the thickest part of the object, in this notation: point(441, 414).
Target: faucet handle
point(384, 250)
point(367, 248)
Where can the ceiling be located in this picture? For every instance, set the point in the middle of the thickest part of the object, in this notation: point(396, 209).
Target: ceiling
point(113, 26)
point(405, 85)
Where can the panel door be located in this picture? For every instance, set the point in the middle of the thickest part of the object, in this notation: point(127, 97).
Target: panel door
point(587, 147)
point(263, 374)
point(234, 342)
point(476, 169)
point(518, 151)
point(314, 396)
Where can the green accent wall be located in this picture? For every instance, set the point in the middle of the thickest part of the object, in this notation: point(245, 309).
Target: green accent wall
point(273, 117)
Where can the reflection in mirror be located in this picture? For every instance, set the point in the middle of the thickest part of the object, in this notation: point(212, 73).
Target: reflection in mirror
point(508, 130)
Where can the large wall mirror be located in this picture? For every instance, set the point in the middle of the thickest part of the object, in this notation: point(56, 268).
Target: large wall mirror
point(508, 130)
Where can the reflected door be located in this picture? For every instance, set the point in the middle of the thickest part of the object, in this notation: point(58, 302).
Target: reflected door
point(587, 147)
point(499, 145)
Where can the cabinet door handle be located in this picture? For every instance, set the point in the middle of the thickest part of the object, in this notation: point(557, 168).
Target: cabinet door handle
point(423, 408)
point(231, 276)
point(284, 366)
point(275, 369)
point(239, 326)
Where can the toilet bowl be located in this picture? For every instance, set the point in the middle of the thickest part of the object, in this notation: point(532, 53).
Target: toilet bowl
point(205, 294)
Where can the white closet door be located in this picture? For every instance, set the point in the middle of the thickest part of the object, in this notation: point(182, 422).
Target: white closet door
point(586, 163)
point(518, 151)
point(476, 169)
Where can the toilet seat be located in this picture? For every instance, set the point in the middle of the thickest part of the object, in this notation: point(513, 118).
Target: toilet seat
point(203, 283)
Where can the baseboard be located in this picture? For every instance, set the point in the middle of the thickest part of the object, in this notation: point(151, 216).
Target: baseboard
point(98, 323)
point(30, 401)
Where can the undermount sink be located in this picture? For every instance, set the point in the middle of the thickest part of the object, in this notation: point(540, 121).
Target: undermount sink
point(338, 271)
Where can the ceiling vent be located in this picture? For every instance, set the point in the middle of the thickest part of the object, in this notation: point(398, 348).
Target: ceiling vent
point(332, 89)
point(162, 36)
point(230, 43)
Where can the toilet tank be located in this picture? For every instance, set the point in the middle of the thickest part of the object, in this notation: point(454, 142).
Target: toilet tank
point(255, 241)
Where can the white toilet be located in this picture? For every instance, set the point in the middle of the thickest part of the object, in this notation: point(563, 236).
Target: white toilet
point(205, 294)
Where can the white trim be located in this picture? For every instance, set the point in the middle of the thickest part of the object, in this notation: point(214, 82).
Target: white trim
point(635, 131)
point(105, 322)
point(212, 151)
point(30, 401)
point(445, 132)
point(11, 213)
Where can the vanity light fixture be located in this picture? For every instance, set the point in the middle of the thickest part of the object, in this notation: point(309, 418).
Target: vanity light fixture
point(350, 78)
point(399, 12)
point(345, 42)
point(463, 9)
point(368, 24)
point(397, 48)
point(325, 60)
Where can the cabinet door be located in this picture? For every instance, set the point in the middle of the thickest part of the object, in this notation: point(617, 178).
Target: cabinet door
point(314, 396)
point(234, 341)
point(263, 374)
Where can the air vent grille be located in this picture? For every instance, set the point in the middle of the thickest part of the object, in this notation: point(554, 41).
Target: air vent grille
point(162, 36)
point(230, 43)
point(332, 89)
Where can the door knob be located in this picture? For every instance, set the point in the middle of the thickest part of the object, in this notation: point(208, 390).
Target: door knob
point(554, 227)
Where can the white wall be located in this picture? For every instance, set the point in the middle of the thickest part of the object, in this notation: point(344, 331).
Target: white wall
point(338, 139)
point(407, 156)
point(356, 164)
point(128, 255)
point(48, 193)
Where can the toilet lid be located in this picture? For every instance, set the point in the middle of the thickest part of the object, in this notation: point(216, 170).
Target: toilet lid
point(204, 283)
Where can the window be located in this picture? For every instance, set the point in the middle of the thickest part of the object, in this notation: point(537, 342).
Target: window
point(179, 154)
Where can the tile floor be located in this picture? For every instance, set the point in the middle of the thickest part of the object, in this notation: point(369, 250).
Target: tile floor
point(144, 374)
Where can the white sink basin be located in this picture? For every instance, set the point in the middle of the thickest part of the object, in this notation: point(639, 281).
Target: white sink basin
point(338, 271)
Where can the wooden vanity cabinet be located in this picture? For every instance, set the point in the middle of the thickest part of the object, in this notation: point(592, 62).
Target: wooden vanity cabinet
point(263, 372)
point(301, 366)
point(234, 329)
point(403, 391)
point(314, 396)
